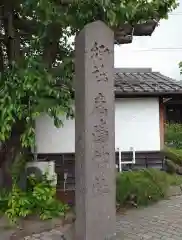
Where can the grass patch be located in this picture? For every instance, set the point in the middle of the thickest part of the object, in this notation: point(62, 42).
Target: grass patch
point(173, 135)
point(174, 180)
point(144, 187)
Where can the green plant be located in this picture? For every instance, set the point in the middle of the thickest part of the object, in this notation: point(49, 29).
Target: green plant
point(44, 198)
point(4, 197)
point(173, 154)
point(174, 180)
point(39, 199)
point(173, 135)
point(171, 167)
point(145, 186)
point(19, 204)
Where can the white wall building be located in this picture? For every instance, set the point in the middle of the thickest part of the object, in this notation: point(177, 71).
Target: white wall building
point(139, 115)
point(136, 125)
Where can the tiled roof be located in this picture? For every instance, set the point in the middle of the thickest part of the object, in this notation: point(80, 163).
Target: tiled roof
point(144, 81)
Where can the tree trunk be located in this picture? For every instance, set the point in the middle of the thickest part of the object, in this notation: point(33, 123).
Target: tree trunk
point(9, 151)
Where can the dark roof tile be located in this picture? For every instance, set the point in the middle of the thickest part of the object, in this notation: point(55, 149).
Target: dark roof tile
point(134, 82)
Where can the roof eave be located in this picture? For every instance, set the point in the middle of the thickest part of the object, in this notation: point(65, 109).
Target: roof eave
point(147, 94)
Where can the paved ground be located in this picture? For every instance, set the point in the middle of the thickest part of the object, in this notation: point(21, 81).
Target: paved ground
point(162, 221)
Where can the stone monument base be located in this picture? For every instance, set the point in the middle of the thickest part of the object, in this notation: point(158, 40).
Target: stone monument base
point(69, 234)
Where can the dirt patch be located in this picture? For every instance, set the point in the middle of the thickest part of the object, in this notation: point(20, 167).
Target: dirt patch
point(31, 226)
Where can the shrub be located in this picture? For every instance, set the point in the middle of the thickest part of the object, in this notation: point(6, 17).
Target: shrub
point(174, 155)
point(19, 204)
point(144, 186)
point(173, 150)
point(4, 197)
point(171, 167)
point(173, 135)
point(174, 180)
point(43, 195)
point(39, 199)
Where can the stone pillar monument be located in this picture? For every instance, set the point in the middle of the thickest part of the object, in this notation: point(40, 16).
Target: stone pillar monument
point(95, 133)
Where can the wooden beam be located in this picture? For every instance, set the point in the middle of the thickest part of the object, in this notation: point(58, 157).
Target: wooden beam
point(161, 122)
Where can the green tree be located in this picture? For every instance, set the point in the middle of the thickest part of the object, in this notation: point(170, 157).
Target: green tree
point(180, 67)
point(36, 56)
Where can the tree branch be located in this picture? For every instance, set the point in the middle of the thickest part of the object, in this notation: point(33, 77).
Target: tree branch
point(1, 59)
point(26, 26)
point(51, 43)
point(12, 38)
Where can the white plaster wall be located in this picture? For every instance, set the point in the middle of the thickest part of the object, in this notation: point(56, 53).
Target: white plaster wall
point(136, 124)
point(50, 139)
point(162, 51)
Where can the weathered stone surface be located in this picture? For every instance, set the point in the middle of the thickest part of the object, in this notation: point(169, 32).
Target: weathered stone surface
point(94, 136)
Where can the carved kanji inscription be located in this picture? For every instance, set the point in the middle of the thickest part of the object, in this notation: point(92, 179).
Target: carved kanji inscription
point(100, 74)
point(101, 155)
point(100, 105)
point(100, 185)
point(101, 133)
point(98, 52)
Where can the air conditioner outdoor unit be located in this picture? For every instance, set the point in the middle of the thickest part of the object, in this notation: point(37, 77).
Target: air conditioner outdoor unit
point(42, 167)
